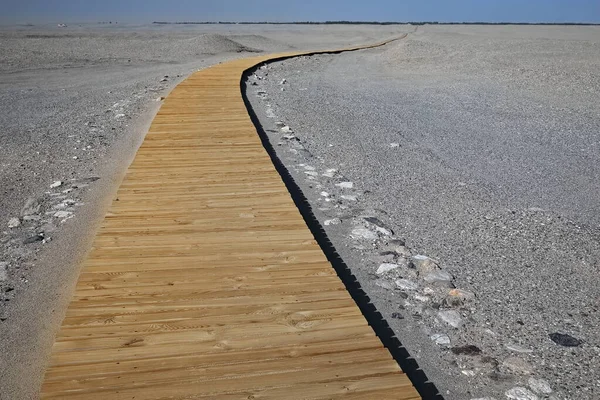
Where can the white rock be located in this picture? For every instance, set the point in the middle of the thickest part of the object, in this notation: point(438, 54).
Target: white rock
point(289, 137)
point(468, 372)
point(286, 129)
point(56, 184)
point(283, 81)
point(451, 317)
point(3, 271)
point(438, 277)
point(270, 113)
point(324, 194)
point(118, 116)
point(363, 233)
point(349, 197)
point(62, 214)
point(540, 386)
point(518, 349)
point(308, 167)
point(520, 393)
point(385, 284)
point(441, 339)
point(421, 298)
point(14, 223)
point(405, 284)
point(345, 185)
point(517, 366)
point(311, 173)
point(394, 145)
point(386, 267)
point(330, 173)
point(383, 231)
point(335, 221)
point(75, 158)
point(424, 264)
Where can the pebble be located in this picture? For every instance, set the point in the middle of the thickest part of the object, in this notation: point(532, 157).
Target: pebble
point(518, 349)
point(286, 129)
point(484, 398)
point(32, 239)
point(14, 223)
point(283, 81)
point(457, 297)
point(451, 317)
point(349, 197)
point(394, 145)
point(520, 393)
point(384, 231)
point(441, 339)
point(540, 386)
point(363, 233)
point(345, 185)
point(424, 264)
point(311, 173)
point(330, 173)
point(406, 284)
point(3, 271)
point(564, 339)
point(335, 221)
point(56, 184)
point(442, 277)
point(324, 194)
point(386, 267)
point(62, 214)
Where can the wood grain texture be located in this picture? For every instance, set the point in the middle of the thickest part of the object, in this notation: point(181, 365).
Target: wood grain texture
point(204, 280)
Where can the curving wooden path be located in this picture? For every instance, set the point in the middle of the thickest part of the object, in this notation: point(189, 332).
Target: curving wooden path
point(204, 280)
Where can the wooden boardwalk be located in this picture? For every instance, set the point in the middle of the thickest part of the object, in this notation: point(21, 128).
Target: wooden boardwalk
point(204, 280)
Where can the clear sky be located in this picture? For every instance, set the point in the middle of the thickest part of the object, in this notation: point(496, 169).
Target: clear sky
point(24, 11)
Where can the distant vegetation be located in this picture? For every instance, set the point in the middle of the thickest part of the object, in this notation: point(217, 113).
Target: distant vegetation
point(374, 23)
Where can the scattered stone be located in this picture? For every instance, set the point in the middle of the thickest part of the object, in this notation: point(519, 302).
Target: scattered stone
point(56, 184)
point(345, 185)
point(324, 194)
point(363, 233)
point(468, 350)
point(405, 284)
point(397, 315)
point(517, 366)
point(335, 221)
point(564, 339)
point(349, 197)
point(520, 393)
point(33, 239)
point(330, 173)
point(517, 349)
point(438, 277)
point(3, 271)
point(441, 339)
point(62, 214)
point(386, 267)
point(457, 297)
point(31, 207)
point(540, 386)
point(14, 223)
point(286, 129)
point(424, 264)
point(451, 317)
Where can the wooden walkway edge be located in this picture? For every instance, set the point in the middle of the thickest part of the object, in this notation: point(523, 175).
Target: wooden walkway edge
point(204, 280)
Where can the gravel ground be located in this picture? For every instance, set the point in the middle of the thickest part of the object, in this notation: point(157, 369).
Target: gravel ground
point(457, 172)
point(76, 103)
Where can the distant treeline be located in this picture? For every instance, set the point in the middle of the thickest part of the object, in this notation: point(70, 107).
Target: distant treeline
point(374, 23)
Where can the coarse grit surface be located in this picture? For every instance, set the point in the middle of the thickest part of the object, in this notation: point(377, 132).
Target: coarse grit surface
point(457, 172)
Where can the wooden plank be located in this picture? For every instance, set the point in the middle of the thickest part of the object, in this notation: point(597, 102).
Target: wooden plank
point(204, 280)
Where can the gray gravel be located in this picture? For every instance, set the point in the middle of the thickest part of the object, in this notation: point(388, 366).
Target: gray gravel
point(76, 103)
point(478, 147)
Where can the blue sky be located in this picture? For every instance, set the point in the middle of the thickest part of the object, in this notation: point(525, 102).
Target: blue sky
point(299, 10)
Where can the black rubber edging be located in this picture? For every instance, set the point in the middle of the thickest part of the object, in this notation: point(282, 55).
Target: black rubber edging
point(427, 390)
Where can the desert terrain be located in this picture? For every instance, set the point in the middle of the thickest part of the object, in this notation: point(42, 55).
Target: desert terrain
point(457, 172)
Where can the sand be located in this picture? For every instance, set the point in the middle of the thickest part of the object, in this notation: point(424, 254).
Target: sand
point(477, 147)
point(76, 103)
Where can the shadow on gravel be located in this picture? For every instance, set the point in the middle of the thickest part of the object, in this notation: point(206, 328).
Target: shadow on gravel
point(426, 388)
